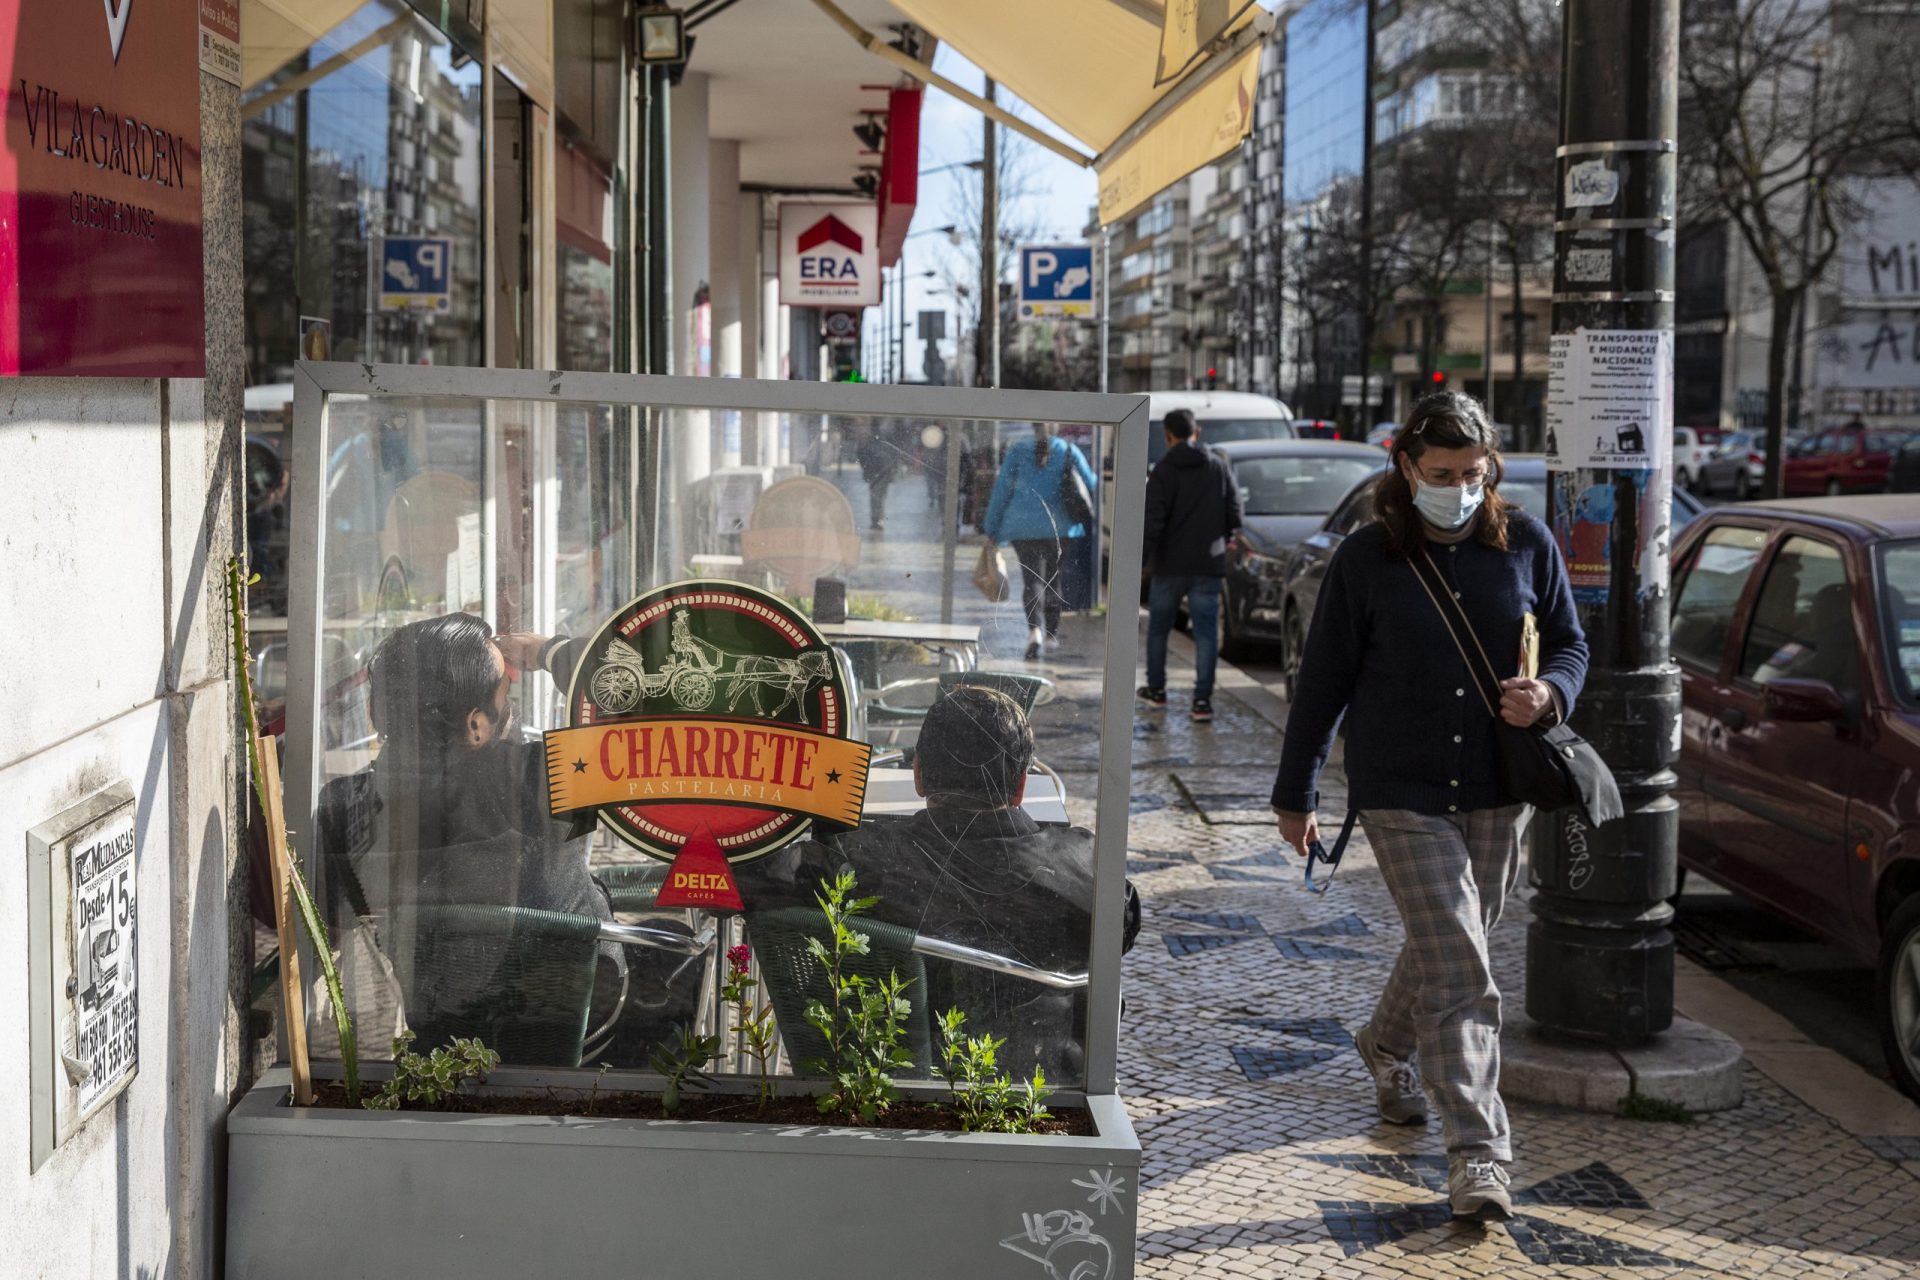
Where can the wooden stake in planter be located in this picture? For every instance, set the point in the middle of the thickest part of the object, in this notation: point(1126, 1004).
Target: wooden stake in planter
point(293, 1002)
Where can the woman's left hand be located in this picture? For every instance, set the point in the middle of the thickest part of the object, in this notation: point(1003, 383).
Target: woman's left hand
point(1523, 701)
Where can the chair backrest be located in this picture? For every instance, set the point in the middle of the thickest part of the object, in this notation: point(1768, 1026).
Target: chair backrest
point(632, 886)
point(795, 977)
point(518, 978)
point(1025, 690)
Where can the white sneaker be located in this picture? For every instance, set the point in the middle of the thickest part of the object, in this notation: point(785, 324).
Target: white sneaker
point(1396, 1084)
point(1477, 1190)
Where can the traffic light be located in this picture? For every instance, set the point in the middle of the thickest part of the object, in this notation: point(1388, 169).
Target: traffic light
point(1439, 379)
point(1213, 380)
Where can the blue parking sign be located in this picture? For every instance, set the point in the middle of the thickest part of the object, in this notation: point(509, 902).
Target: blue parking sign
point(416, 273)
point(1056, 280)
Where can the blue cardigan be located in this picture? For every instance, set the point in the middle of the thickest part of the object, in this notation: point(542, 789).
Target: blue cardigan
point(1026, 496)
point(1418, 736)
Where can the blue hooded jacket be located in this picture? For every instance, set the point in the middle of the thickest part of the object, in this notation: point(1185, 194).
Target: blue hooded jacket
point(1026, 502)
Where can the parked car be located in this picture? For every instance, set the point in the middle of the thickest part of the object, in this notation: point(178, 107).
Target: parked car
point(1692, 446)
point(1849, 459)
point(1524, 484)
point(1903, 476)
point(1736, 467)
point(1383, 434)
point(1315, 429)
point(1224, 416)
point(1287, 487)
point(1796, 627)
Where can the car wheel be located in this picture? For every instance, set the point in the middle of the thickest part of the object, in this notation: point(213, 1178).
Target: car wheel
point(1683, 479)
point(1897, 995)
point(1233, 643)
point(1833, 488)
point(1296, 642)
point(1742, 485)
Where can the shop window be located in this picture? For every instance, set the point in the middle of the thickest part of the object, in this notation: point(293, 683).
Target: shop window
point(429, 821)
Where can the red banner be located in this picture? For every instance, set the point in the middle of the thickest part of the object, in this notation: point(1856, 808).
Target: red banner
point(100, 191)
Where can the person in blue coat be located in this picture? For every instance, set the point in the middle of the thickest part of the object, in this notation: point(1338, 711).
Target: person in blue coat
point(1027, 510)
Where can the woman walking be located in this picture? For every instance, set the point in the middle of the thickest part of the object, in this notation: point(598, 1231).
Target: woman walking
point(1027, 509)
point(1421, 760)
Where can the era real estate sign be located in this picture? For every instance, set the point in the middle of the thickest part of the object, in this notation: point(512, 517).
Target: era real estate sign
point(100, 192)
point(829, 255)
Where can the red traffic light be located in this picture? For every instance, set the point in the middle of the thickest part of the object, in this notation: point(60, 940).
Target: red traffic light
point(1438, 377)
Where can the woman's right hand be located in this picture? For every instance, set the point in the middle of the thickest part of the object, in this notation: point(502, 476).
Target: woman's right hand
point(1299, 829)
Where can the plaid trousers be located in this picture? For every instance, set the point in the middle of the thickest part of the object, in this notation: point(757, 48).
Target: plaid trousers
point(1449, 876)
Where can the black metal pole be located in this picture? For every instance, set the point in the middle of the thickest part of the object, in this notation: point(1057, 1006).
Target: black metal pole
point(1599, 954)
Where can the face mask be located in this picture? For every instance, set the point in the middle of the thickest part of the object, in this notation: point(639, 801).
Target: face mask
point(1447, 507)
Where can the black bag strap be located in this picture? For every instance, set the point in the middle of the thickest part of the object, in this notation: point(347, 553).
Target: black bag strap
point(1460, 628)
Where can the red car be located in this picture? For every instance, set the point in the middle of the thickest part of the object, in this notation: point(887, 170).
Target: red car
point(1796, 627)
point(1849, 459)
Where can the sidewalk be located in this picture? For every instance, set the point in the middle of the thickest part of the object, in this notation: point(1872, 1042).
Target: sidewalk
point(1264, 1157)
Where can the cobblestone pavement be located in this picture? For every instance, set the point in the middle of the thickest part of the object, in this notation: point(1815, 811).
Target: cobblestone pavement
point(1262, 1153)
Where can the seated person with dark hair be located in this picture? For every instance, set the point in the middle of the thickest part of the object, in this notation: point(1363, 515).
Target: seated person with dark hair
point(454, 810)
point(971, 868)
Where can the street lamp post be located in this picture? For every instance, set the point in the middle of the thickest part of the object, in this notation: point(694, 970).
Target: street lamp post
point(1599, 953)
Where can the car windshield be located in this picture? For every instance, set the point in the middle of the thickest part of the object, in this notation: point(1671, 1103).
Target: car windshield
point(1220, 431)
point(1300, 485)
point(1900, 591)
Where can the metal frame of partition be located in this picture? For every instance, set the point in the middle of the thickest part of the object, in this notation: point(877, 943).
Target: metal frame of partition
point(316, 384)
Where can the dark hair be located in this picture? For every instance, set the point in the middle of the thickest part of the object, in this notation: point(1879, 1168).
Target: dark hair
point(1441, 420)
point(975, 743)
point(1180, 424)
point(429, 675)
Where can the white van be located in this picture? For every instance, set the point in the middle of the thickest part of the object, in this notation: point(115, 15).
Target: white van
point(1222, 415)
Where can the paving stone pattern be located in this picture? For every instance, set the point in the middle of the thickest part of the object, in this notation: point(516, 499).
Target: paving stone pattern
point(1263, 1156)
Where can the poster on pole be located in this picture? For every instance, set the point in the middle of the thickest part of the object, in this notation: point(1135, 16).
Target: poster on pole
point(1610, 400)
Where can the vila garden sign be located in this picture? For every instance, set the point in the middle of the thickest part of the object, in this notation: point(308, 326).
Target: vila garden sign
point(708, 726)
point(100, 253)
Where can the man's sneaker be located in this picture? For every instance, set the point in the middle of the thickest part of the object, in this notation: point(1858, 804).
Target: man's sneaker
point(1151, 696)
point(1396, 1085)
point(1203, 709)
point(1477, 1191)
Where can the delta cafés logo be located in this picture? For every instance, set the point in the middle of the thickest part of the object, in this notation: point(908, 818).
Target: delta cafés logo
point(708, 726)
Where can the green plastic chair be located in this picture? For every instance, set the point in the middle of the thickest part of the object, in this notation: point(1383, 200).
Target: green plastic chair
point(517, 978)
point(794, 977)
point(632, 886)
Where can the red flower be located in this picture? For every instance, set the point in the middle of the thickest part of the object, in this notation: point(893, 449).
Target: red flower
point(737, 958)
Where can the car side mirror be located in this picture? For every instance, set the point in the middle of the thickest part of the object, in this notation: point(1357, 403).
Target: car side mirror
point(1802, 701)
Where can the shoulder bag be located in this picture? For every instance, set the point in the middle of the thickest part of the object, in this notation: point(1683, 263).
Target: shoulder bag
point(1547, 767)
point(1076, 502)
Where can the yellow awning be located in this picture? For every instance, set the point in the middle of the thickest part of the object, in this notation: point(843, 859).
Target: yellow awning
point(1094, 68)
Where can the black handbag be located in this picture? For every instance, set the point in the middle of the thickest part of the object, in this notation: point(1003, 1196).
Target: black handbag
point(1076, 502)
point(1548, 767)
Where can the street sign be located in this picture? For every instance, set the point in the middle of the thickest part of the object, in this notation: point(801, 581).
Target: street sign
point(1056, 280)
point(933, 325)
point(1350, 389)
point(829, 255)
point(416, 273)
point(842, 326)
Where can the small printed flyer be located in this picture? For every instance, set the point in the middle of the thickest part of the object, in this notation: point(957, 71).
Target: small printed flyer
point(1610, 400)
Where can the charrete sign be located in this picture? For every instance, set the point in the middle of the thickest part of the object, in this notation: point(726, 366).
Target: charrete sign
point(101, 272)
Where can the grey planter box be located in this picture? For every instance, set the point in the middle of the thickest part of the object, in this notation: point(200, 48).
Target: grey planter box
point(333, 1194)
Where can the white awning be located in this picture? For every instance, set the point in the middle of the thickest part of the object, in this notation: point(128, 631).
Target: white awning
point(1095, 68)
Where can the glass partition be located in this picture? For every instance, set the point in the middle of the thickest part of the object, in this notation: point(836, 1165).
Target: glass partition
point(579, 721)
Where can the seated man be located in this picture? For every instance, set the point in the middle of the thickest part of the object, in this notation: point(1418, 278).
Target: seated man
point(971, 868)
point(454, 811)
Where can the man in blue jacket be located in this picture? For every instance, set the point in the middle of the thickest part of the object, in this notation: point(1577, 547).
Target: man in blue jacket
point(1193, 507)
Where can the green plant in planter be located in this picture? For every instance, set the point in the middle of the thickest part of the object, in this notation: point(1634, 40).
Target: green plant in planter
point(431, 1078)
point(753, 1019)
point(983, 1097)
point(865, 1022)
point(681, 1061)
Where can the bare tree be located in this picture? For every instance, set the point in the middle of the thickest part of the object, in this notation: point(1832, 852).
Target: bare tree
point(1019, 223)
point(1785, 105)
point(1334, 273)
point(1426, 215)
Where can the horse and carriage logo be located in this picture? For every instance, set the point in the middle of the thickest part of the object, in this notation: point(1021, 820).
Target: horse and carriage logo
point(708, 710)
point(698, 671)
